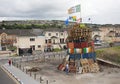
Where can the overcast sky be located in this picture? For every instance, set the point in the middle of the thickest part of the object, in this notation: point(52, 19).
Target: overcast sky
point(100, 11)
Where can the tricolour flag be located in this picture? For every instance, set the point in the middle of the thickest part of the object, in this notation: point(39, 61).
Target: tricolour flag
point(71, 10)
point(78, 8)
point(74, 9)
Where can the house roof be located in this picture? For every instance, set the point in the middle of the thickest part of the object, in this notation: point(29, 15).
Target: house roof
point(54, 37)
point(57, 29)
point(97, 36)
point(19, 32)
point(38, 32)
point(95, 29)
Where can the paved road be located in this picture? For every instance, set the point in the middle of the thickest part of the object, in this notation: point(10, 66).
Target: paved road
point(4, 78)
point(106, 45)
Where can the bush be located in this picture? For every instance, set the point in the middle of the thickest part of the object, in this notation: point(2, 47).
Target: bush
point(12, 48)
point(112, 54)
point(111, 44)
point(56, 50)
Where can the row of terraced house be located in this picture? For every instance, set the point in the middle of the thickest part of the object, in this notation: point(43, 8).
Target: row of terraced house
point(29, 40)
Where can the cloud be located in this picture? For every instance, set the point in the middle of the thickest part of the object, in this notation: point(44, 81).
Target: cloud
point(30, 8)
point(101, 11)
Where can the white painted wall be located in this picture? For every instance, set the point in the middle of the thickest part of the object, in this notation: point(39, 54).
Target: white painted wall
point(0, 43)
point(59, 35)
point(40, 40)
point(24, 42)
point(96, 33)
point(53, 33)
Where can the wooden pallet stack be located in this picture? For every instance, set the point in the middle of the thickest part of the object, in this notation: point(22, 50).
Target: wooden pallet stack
point(72, 67)
point(88, 65)
point(81, 47)
point(79, 43)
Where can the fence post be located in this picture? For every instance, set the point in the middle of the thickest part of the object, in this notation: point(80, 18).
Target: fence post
point(40, 79)
point(12, 62)
point(33, 58)
point(20, 60)
point(23, 69)
point(26, 71)
point(27, 58)
point(17, 65)
point(35, 76)
point(59, 57)
point(30, 73)
point(47, 82)
point(20, 66)
point(44, 58)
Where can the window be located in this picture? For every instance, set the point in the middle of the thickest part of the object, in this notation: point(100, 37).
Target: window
point(39, 46)
point(32, 39)
point(62, 40)
point(56, 34)
point(45, 41)
point(53, 41)
point(61, 33)
point(49, 34)
point(99, 33)
point(33, 47)
point(49, 40)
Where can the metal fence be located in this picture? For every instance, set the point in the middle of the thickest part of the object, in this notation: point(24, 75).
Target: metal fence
point(53, 56)
point(44, 56)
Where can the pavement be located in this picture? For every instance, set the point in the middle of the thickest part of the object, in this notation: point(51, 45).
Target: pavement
point(20, 76)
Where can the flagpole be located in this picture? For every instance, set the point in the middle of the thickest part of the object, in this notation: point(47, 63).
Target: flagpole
point(80, 14)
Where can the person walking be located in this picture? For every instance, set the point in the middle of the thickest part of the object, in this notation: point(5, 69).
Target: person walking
point(67, 68)
point(9, 62)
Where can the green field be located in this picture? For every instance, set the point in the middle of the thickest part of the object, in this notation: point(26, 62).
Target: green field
point(111, 54)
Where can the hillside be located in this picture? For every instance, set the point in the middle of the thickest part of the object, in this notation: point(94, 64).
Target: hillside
point(44, 24)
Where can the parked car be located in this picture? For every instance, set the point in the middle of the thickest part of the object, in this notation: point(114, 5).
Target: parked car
point(98, 43)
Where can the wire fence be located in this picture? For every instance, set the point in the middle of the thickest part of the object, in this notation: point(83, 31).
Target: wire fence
point(51, 56)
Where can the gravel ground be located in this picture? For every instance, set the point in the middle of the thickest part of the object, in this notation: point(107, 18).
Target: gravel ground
point(48, 71)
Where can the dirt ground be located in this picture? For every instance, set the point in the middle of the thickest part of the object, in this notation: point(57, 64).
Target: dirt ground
point(48, 71)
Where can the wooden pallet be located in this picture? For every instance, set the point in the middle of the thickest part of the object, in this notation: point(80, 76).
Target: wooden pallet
point(90, 61)
point(88, 65)
point(72, 69)
point(85, 69)
point(84, 62)
point(94, 68)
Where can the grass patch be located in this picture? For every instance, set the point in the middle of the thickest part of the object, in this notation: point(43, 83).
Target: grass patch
point(57, 50)
point(112, 54)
